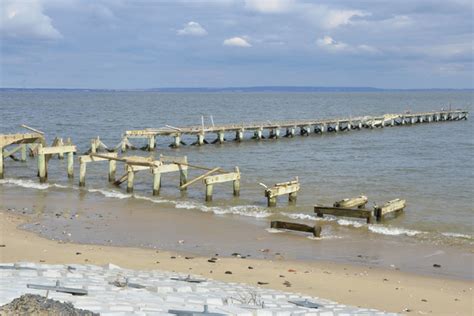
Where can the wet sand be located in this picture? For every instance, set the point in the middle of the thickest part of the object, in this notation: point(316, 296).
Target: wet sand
point(385, 289)
point(85, 217)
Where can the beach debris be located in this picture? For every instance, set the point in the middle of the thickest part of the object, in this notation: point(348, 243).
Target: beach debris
point(188, 258)
point(287, 284)
point(181, 241)
point(192, 313)
point(57, 288)
point(345, 212)
point(436, 265)
point(424, 300)
point(262, 283)
point(291, 270)
point(212, 260)
point(306, 303)
point(358, 202)
point(315, 230)
point(189, 279)
point(391, 207)
point(124, 282)
point(265, 250)
point(250, 267)
point(291, 188)
point(228, 272)
point(2, 246)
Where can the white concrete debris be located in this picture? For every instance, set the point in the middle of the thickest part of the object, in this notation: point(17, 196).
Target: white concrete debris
point(160, 294)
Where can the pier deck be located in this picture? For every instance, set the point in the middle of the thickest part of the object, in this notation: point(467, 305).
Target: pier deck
point(304, 127)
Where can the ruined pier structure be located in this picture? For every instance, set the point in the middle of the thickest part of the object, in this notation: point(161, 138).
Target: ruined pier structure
point(272, 130)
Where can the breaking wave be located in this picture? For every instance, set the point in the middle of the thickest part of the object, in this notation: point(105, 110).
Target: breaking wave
point(31, 184)
point(393, 231)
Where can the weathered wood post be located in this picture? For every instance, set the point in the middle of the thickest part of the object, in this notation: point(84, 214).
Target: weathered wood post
point(156, 181)
point(209, 188)
point(292, 197)
point(70, 165)
point(42, 172)
point(124, 144)
point(220, 136)
point(61, 153)
point(93, 146)
point(82, 173)
point(130, 179)
point(183, 174)
point(1, 163)
point(337, 127)
point(258, 133)
point(323, 128)
point(23, 152)
point(112, 170)
point(349, 125)
point(177, 140)
point(239, 135)
point(200, 138)
point(236, 183)
point(421, 118)
point(151, 142)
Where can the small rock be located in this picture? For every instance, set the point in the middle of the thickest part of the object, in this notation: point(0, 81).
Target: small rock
point(385, 280)
point(265, 250)
point(424, 300)
point(212, 260)
point(250, 268)
point(2, 246)
point(287, 284)
point(262, 283)
point(78, 253)
point(291, 270)
point(188, 258)
point(228, 272)
point(436, 265)
point(173, 257)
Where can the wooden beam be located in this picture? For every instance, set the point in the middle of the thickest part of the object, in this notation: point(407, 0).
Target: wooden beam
point(359, 202)
point(220, 178)
point(199, 178)
point(392, 206)
point(56, 150)
point(345, 212)
point(32, 129)
point(315, 230)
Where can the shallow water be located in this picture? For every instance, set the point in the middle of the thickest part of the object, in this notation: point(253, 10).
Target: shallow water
point(429, 165)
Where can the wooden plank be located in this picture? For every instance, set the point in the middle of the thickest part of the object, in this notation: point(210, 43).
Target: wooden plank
point(389, 207)
point(93, 158)
point(56, 150)
point(359, 202)
point(10, 139)
point(32, 129)
point(220, 178)
point(169, 168)
point(340, 211)
point(315, 230)
point(199, 178)
point(281, 190)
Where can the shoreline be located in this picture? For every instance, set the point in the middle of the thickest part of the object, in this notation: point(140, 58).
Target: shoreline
point(385, 289)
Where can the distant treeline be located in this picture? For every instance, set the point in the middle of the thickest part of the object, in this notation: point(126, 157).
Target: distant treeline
point(239, 89)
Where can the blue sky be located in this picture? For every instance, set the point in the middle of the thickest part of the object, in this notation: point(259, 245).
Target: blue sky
point(216, 43)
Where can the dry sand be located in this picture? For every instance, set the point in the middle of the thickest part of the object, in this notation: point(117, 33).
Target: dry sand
point(388, 290)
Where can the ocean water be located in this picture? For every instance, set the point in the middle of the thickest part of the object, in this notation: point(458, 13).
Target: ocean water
point(429, 165)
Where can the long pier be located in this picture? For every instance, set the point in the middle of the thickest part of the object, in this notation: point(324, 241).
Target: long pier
point(272, 130)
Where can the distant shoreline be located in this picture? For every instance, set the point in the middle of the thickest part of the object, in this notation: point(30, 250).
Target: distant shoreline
point(256, 89)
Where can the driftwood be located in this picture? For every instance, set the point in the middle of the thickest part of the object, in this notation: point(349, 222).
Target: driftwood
point(315, 230)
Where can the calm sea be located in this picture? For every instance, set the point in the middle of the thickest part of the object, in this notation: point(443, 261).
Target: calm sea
point(429, 165)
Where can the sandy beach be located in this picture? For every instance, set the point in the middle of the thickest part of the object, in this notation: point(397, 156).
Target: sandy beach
point(388, 290)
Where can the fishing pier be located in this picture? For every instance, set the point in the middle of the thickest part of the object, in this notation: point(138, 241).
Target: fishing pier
point(275, 130)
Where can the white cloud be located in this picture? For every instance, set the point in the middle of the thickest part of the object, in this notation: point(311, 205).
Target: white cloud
point(236, 41)
point(26, 19)
point(269, 6)
point(335, 18)
point(192, 29)
point(329, 44)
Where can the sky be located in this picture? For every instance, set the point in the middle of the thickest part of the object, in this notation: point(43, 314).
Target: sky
point(133, 44)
